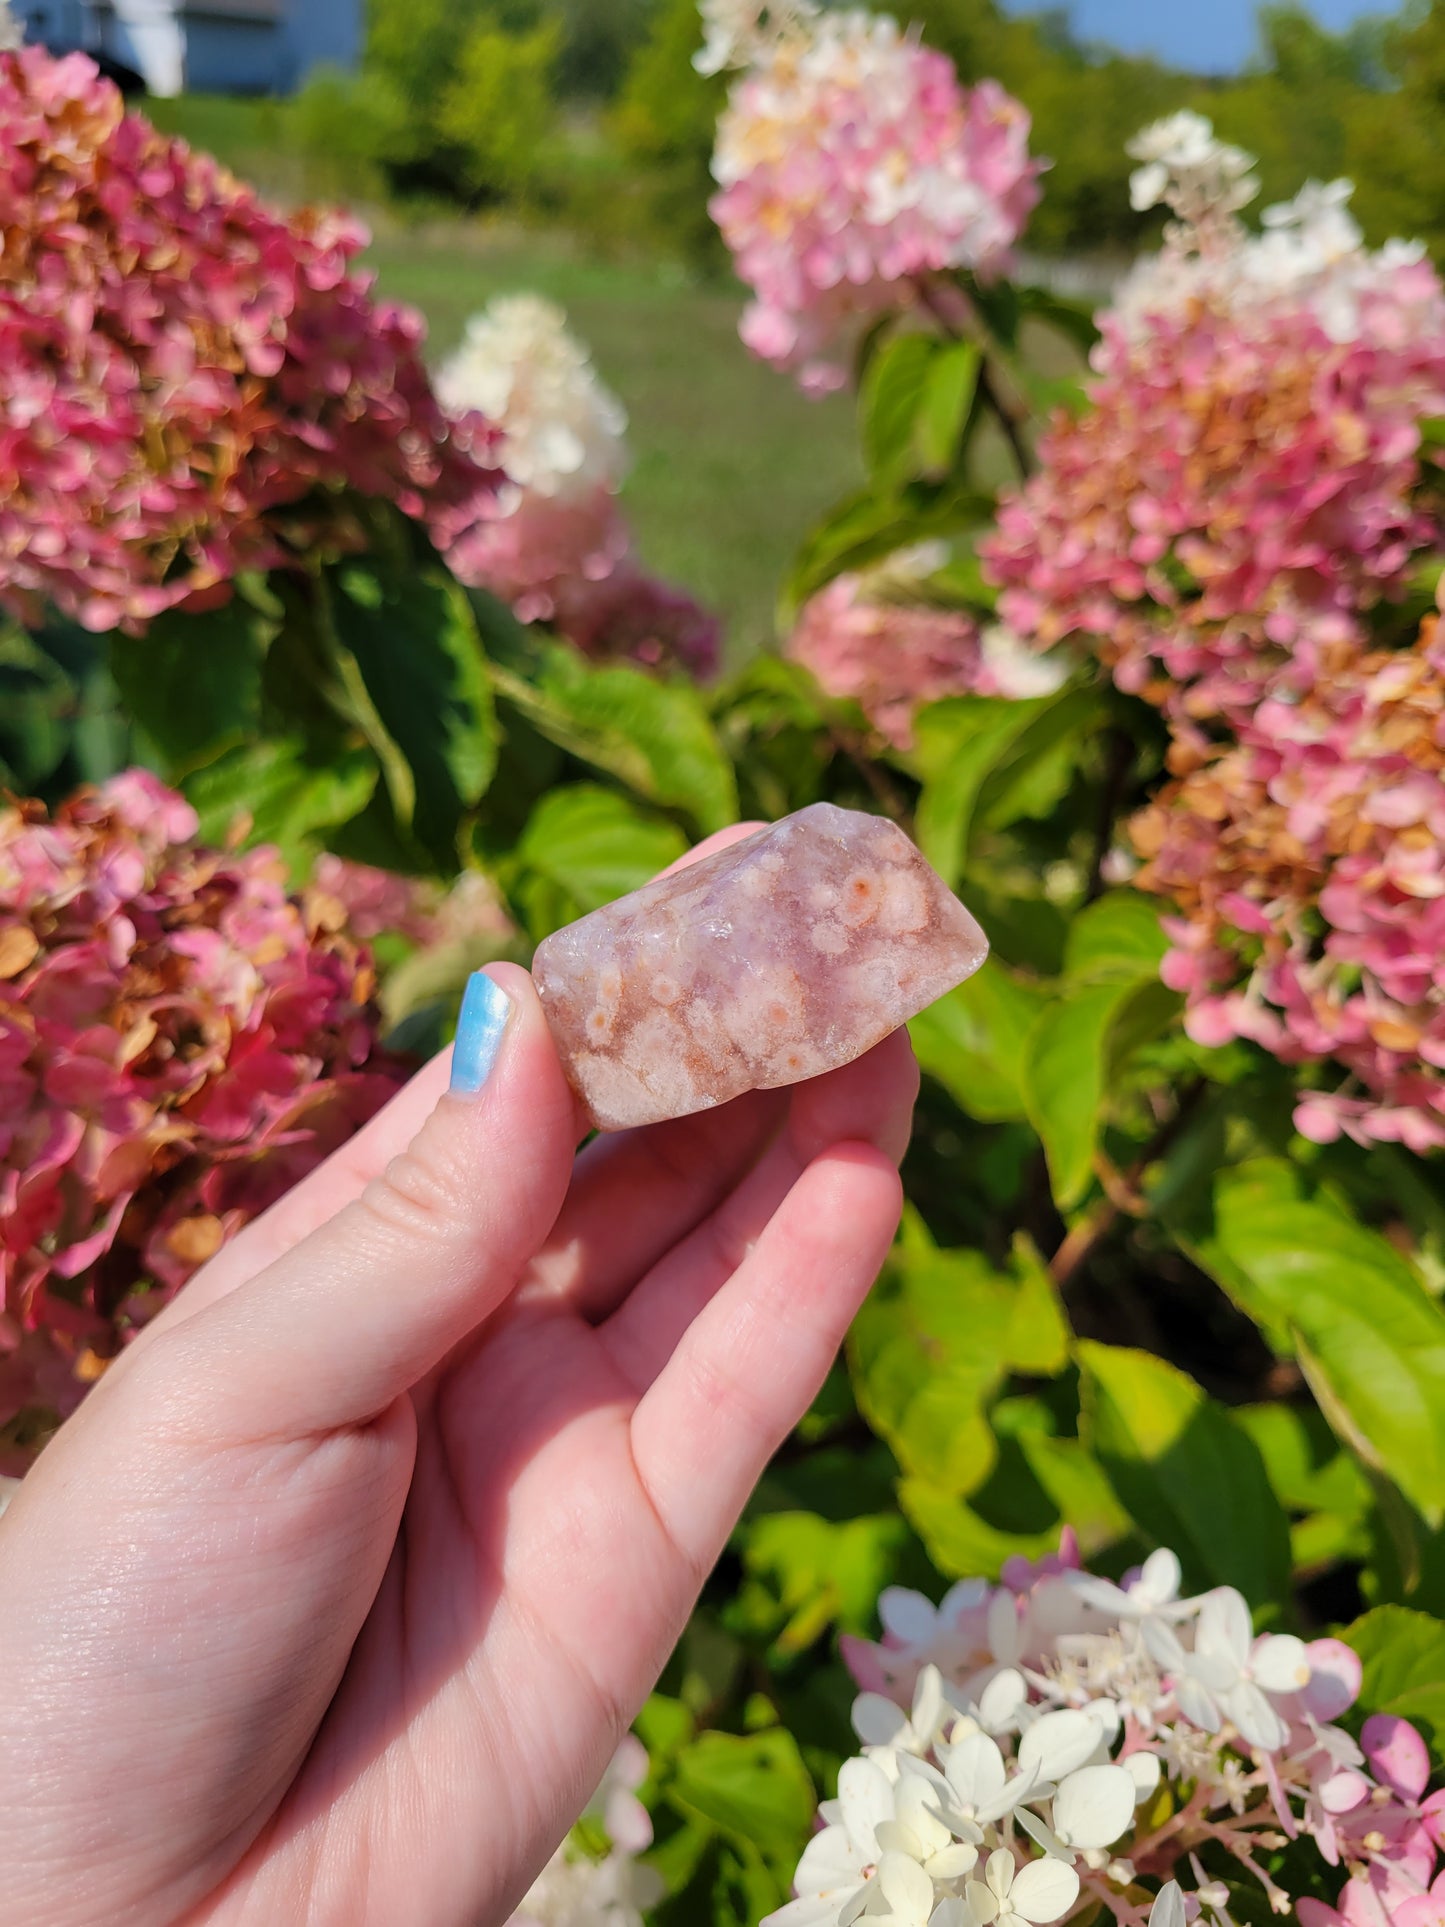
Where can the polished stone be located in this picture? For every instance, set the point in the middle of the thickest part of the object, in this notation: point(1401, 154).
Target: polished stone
point(787, 955)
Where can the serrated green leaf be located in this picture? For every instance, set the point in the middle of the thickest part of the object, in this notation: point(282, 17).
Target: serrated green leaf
point(1185, 1472)
point(1369, 1337)
point(655, 737)
point(285, 799)
point(972, 1042)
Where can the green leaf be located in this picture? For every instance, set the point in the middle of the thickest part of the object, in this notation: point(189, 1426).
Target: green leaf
point(868, 526)
point(1038, 1336)
point(972, 1042)
point(193, 683)
point(1369, 1339)
point(1064, 1073)
point(809, 1574)
point(655, 737)
point(889, 405)
point(960, 742)
point(1185, 1472)
point(1072, 319)
point(753, 1788)
point(586, 846)
point(1404, 1660)
point(285, 799)
point(417, 649)
point(933, 1344)
point(947, 404)
point(1116, 940)
point(962, 1544)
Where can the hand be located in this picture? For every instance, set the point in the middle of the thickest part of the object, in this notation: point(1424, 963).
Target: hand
point(331, 1603)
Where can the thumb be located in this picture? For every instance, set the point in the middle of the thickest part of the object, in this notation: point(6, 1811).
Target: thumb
point(358, 1313)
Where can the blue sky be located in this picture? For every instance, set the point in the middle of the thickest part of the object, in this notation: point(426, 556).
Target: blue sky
point(1210, 36)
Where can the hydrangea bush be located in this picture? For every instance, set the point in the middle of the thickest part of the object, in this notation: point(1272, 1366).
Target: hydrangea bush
point(1134, 625)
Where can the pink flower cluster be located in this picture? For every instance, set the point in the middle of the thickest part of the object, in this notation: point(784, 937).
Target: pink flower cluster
point(1307, 865)
point(180, 1042)
point(850, 162)
point(1243, 490)
point(1126, 1692)
point(875, 640)
point(572, 564)
point(187, 375)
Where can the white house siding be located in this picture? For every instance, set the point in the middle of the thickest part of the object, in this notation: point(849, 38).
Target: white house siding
point(205, 46)
point(321, 33)
point(231, 56)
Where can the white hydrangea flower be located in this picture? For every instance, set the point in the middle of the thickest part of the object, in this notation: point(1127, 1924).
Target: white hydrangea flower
point(738, 32)
point(573, 1891)
point(1029, 1896)
point(1018, 671)
point(12, 34)
point(882, 1838)
point(1092, 1809)
point(1188, 170)
point(1153, 1591)
point(1168, 1909)
point(562, 430)
point(1230, 1675)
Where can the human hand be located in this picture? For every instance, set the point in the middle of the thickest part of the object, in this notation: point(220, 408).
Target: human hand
point(331, 1602)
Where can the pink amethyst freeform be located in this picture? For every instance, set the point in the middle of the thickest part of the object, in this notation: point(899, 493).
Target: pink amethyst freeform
point(779, 958)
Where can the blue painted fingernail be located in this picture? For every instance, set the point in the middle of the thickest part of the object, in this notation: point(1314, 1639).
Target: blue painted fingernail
point(480, 1029)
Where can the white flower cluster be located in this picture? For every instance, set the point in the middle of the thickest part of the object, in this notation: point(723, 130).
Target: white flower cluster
point(12, 34)
point(575, 1889)
point(1186, 169)
point(562, 430)
point(739, 32)
point(1014, 1740)
point(1311, 251)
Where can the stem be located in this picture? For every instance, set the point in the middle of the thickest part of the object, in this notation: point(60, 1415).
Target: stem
point(886, 794)
point(1121, 755)
point(1085, 1238)
point(1010, 413)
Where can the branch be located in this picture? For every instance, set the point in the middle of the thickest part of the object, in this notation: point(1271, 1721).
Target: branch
point(1085, 1238)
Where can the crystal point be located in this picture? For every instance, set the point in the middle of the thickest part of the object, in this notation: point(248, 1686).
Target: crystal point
point(784, 956)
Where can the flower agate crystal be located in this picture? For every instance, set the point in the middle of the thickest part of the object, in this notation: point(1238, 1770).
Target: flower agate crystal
point(781, 957)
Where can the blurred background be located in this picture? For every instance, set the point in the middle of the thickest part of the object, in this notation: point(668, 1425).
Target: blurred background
point(564, 145)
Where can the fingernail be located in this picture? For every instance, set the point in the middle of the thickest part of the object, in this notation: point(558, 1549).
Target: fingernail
point(480, 1029)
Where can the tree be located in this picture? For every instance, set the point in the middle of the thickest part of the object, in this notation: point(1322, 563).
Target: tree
point(497, 110)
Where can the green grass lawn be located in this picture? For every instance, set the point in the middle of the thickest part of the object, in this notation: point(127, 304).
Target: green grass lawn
point(731, 464)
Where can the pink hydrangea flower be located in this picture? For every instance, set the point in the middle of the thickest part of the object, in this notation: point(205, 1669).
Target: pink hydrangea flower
point(875, 639)
point(1241, 492)
point(181, 1040)
point(850, 162)
point(1307, 867)
point(189, 378)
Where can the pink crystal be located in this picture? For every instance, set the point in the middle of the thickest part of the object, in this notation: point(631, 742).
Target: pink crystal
point(782, 957)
